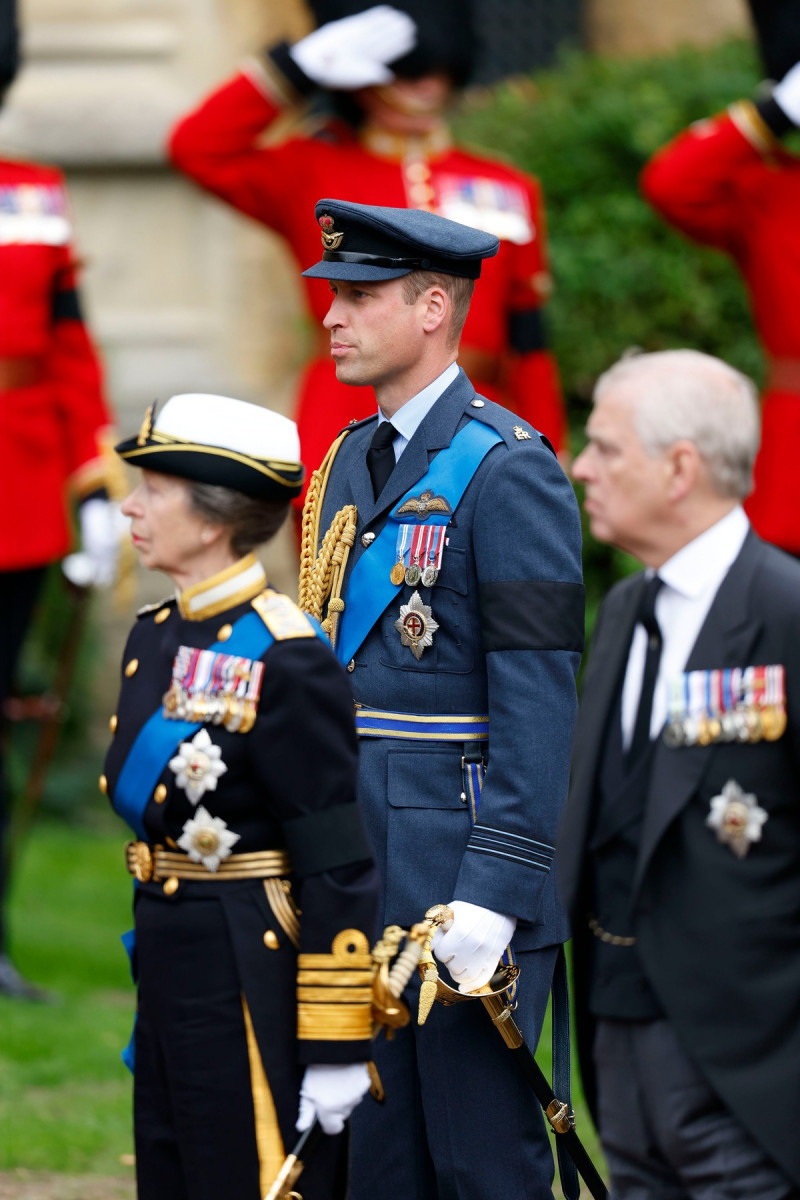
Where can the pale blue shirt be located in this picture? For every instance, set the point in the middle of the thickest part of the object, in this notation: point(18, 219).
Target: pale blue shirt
point(410, 415)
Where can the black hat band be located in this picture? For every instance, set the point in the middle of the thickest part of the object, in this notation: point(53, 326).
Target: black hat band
point(469, 268)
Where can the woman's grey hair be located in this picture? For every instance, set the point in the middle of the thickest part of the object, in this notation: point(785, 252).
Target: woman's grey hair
point(250, 521)
point(689, 396)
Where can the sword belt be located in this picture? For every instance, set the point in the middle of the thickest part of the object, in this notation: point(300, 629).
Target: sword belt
point(421, 727)
point(155, 863)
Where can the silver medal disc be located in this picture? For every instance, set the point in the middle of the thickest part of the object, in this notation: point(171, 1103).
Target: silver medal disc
point(674, 734)
point(413, 575)
point(429, 576)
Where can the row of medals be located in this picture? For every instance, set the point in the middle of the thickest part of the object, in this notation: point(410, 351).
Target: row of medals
point(413, 574)
point(745, 724)
point(237, 716)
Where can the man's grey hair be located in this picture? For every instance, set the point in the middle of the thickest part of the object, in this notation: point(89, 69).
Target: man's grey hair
point(689, 396)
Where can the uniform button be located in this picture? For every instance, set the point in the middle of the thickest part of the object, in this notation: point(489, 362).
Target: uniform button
point(161, 615)
point(224, 633)
point(132, 667)
point(102, 783)
point(478, 403)
point(351, 666)
point(171, 886)
point(367, 539)
point(160, 794)
point(418, 172)
point(112, 723)
point(271, 940)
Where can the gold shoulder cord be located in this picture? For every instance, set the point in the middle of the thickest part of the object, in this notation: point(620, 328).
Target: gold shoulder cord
point(322, 572)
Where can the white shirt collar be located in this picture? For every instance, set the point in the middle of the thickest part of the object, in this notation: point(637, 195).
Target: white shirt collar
point(702, 564)
point(410, 415)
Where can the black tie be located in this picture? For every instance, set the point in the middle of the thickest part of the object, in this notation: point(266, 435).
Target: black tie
point(646, 616)
point(380, 456)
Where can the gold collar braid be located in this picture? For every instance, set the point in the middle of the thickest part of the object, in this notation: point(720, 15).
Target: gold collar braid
point(322, 574)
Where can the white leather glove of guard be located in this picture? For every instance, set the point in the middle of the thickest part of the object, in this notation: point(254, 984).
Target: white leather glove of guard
point(787, 94)
point(330, 1092)
point(471, 944)
point(354, 51)
point(100, 538)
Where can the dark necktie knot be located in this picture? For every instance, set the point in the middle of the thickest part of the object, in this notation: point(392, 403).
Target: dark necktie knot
point(380, 456)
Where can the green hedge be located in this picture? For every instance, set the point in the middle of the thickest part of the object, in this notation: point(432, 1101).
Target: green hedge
point(623, 278)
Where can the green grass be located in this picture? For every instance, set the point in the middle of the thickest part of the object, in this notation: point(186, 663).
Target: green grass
point(64, 1092)
point(65, 1097)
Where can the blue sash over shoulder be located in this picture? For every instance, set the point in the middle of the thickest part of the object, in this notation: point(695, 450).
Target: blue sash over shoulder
point(369, 588)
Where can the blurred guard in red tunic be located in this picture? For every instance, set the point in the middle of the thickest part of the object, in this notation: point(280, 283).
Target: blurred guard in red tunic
point(728, 182)
point(390, 75)
point(53, 419)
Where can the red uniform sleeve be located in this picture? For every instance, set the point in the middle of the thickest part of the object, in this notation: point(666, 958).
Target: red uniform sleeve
point(534, 388)
point(695, 181)
point(73, 369)
point(218, 146)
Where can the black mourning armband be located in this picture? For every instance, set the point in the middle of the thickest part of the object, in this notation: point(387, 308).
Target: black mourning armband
point(322, 841)
point(527, 331)
point(66, 305)
point(773, 116)
point(279, 59)
point(531, 615)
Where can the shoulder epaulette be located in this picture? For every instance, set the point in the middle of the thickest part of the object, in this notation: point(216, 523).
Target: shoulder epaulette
point(167, 602)
point(513, 429)
point(281, 616)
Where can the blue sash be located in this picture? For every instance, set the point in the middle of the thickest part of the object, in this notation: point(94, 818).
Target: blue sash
point(158, 737)
point(369, 588)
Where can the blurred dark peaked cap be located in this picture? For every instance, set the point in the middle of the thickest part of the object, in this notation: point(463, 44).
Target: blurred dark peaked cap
point(446, 36)
point(364, 242)
point(777, 26)
point(9, 43)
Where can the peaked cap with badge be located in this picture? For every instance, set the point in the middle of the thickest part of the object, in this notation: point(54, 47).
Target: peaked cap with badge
point(365, 242)
point(259, 453)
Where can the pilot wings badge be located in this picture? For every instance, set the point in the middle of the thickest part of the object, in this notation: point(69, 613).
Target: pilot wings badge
point(425, 503)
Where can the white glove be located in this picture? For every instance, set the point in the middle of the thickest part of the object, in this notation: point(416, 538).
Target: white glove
point(787, 94)
point(354, 51)
point(471, 944)
point(100, 538)
point(330, 1092)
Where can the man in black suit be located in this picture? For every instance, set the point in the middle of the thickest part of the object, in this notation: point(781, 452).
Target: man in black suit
point(679, 850)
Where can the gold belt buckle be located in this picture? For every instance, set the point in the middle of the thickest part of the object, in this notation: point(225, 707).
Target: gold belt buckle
point(141, 859)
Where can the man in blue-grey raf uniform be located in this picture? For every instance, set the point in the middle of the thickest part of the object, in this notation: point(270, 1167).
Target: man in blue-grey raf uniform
point(460, 621)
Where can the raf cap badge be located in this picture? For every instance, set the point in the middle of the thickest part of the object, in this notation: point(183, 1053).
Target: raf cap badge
point(416, 625)
point(331, 240)
point(207, 839)
point(737, 818)
point(198, 765)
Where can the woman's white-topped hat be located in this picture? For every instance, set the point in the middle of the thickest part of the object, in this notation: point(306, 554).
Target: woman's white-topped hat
point(219, 440)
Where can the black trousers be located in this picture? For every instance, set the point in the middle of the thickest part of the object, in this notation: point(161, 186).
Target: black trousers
point(665, 1133)
point(213, 1114)
point(19, 591)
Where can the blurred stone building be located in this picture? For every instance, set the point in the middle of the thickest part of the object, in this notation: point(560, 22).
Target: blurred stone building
point(174, 283)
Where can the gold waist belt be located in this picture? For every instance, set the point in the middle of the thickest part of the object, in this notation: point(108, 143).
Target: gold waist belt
point(155, 863)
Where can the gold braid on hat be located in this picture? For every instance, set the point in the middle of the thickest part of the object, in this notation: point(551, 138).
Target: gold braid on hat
point(322, 572)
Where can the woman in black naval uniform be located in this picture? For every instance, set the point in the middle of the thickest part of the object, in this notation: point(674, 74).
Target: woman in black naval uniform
point(233, 760)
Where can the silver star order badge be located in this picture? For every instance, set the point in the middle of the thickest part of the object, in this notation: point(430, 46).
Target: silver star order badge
point(198, 765)
point(416, 625)
point(737, 818)
point(207, 839)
